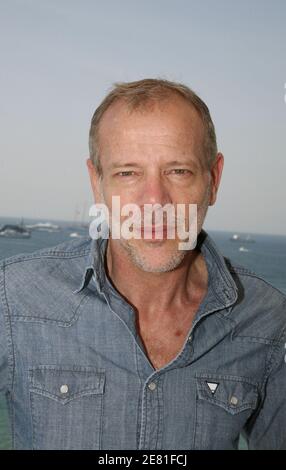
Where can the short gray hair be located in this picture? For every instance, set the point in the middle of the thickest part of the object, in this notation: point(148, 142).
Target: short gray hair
point(139, 94)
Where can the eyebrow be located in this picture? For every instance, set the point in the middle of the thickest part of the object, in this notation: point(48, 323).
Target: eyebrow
point(135, 164)
point(181, 162)
point(121, 165)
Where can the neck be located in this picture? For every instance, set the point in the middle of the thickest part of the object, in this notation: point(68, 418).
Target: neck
point(166, 290)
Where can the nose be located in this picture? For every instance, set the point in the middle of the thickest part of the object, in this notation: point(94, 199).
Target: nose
point(155, 191)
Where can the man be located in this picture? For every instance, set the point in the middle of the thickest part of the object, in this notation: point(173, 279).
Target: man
point(132, 343)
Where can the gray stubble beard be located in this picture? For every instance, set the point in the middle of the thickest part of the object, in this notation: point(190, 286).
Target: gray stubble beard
point(177, 257)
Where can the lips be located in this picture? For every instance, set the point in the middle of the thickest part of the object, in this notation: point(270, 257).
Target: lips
point(153, 232)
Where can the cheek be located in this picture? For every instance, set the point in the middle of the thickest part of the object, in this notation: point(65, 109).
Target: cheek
point(128, 196)
point(201, 191)
point(193, 195)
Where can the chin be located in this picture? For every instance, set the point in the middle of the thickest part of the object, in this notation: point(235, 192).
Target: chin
point(156, 256)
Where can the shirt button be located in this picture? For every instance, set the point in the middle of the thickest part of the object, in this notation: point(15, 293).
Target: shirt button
point(234, 400)
point(190, 338)
point(152, 386)
point(226, 293)
point(64, 389)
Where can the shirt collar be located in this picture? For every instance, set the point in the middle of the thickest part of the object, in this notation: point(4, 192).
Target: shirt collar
point(220, 282)
point(95, 265)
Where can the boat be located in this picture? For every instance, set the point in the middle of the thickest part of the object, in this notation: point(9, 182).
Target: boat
point(242, 248)
point(75, 235)
point(14, 231)
point(242, 238)
point(44, 227)
point(235, 237)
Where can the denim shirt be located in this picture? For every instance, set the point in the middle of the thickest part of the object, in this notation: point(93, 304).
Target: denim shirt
point(76, 374)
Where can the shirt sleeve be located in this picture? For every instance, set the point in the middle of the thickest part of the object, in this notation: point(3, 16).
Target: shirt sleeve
point(3, 339)
point(268, 430)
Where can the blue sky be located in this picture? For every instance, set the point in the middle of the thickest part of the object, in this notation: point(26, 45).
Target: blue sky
point(58, 58)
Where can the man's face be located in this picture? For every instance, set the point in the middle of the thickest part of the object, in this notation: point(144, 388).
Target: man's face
point(151, 156)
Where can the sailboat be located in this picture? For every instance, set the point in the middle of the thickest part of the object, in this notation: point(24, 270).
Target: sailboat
point(15, 231)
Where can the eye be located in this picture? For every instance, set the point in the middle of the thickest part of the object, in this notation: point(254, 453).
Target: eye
point(125, 173)
point(180, 171)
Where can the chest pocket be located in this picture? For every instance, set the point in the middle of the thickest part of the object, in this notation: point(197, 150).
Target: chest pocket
point(66, 405)
point(224, 404)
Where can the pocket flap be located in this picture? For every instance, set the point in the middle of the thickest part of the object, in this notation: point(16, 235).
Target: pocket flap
point(64, 384)
point(232, 393)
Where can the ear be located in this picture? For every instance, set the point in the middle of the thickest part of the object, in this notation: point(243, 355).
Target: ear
point(216, 172)
point(95, 179)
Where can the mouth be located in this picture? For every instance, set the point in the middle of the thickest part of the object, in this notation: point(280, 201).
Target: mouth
point(153, 233)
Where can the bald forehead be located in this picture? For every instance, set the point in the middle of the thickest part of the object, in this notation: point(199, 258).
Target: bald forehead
point(172, 113)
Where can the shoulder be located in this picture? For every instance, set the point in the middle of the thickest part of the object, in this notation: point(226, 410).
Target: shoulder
point(260, 309)
point(41, 283)
point(29, 266)
point(60, 251)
